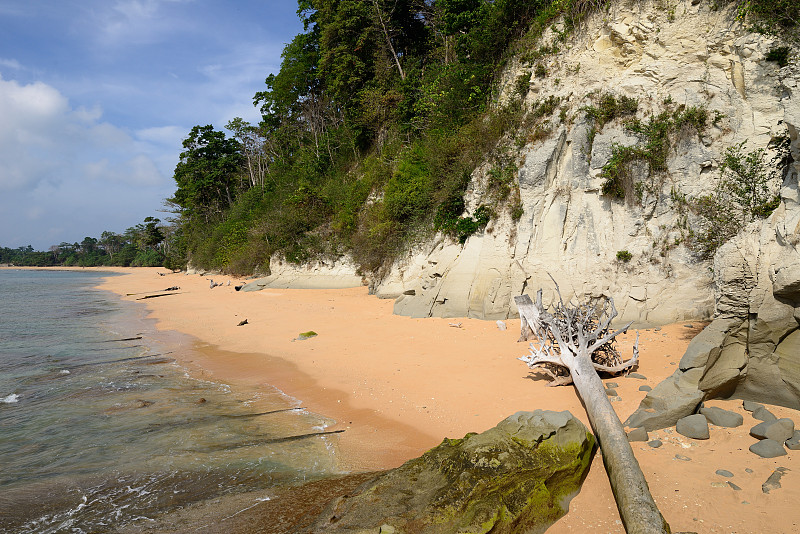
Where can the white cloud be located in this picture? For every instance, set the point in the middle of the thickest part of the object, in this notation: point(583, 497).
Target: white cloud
point(69, 174)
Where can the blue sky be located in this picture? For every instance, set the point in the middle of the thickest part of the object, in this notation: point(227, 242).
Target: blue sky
point(96, 97)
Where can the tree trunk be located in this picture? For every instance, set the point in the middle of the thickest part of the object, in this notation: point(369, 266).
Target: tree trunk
point(572, 349)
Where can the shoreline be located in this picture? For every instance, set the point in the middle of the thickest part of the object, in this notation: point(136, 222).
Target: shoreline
point(398, 386)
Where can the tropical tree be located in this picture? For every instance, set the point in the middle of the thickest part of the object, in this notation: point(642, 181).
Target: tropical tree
point(207, 173)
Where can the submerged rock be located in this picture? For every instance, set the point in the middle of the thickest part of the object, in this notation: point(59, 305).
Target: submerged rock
point(516, 477)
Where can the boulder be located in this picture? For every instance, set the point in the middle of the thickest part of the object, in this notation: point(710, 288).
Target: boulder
point(793, 443)
point(693, 426)
point(760, 430)
point(762, 414)
point(675, 397)
point(516, 477)
point(780, 430)
point(720, 417)
point(768, 448)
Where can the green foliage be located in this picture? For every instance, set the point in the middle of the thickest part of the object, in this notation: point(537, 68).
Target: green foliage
point(779, 55)
point(370, 132)
point(624, 256)
point(523, 84)
point(658, 134)
point(610, 107)
point(770, 16)
point(207, 173)
point(746, 192)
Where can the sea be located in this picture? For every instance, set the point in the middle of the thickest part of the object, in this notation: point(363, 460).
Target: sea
point(101, 428)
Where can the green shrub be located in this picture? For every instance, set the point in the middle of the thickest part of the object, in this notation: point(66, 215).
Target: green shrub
point(624, 256)
point(745, 193)
point(779, 55)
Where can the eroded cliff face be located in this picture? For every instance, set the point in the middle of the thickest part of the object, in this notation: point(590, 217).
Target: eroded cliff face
point(688, 54)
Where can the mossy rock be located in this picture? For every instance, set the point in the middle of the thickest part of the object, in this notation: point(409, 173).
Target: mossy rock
point(516, 477)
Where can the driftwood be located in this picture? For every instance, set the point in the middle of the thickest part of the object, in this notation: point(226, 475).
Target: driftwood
point(573, 344)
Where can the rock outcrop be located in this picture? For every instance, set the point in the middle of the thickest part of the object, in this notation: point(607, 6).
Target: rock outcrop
point(751, 350)
point(692, 55)
point(516, 477)
point(339, 274)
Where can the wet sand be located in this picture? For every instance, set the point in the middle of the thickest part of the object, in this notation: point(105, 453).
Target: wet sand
point(398, 386)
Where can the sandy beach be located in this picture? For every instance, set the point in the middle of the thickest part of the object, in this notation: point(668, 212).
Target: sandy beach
point(397, 386)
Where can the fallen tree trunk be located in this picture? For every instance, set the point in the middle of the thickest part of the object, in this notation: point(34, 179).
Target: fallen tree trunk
point(574, 343)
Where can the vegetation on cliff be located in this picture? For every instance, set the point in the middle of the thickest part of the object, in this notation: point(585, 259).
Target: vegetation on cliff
point(379, 114)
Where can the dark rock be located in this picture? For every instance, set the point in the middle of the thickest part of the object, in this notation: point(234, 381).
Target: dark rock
point(724, 418)
point(751, 406)
point(762, 414)
point(637, 375)
point(693, 426)
point(242, 323)
point(682, 458)
point(702, 344)
point(780, 430)
point(734, 486)
point(768, 448)
point(774, 480)
point(793, 443)
point(517, 476)
point(656, 443)
point(645, 388)
point(637, 434)
point(760, 430)
point(611, 392)
point(675, 397)
point(724, 473)
point(611, 385)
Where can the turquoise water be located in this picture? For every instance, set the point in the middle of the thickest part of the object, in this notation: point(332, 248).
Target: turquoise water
point(101, 428)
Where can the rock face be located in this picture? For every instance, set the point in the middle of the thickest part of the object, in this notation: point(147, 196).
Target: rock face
point(338, 274)
point(751, 350)
point(516, 477)
point(568, 229)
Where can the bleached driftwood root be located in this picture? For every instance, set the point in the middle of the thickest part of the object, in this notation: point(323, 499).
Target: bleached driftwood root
point(574, 342)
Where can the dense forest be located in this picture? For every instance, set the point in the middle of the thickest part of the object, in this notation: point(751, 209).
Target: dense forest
point(380, 112)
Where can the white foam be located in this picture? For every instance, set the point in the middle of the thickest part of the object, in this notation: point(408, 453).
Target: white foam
point(65, 371)
point(11, 399)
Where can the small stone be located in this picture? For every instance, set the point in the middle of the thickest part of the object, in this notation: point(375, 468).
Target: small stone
point(611, 392)
point(724, 473)
point(693, 426)
point(774, 480)
point(501, 325)
point(645, 388)
point(723, 418)
point(688, 326)
point(762, 414)
point(751, 406)
point(615, 399)
point(387, 529)
point(748, 470)
point(780, 430)
point(768, 448)
point(638, 434)
point(611, 385)
point(719, 485)
point(682, 458)
point(734, 486)
point(656, 443)
point(793, 443)
point(637, 375)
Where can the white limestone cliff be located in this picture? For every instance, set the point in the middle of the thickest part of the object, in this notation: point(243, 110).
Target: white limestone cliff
point(691, 54)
